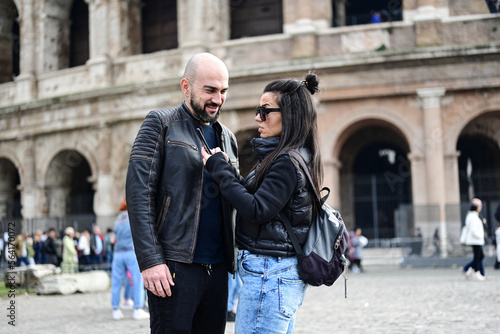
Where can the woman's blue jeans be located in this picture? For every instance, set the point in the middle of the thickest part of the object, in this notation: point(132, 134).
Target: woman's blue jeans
point(271, 294)
point(121, 262)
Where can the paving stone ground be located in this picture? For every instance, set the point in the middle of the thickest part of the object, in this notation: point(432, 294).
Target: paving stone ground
point(384, 299)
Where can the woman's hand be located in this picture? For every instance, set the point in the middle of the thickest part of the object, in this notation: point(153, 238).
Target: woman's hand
point(205, 155)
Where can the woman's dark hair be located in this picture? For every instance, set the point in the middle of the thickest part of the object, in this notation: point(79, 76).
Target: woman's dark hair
point(299, 124)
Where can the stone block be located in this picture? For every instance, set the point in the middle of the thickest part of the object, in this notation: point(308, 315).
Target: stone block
point(29, 277)
point(92, 281)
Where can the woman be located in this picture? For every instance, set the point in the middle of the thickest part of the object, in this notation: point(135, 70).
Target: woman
point(475, 238)
point(124, 259)
point(69, 256)
point(272, 290)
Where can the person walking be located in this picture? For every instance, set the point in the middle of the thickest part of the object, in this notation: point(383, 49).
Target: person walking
point(475, 238)
point(123, 260)
point(358, 242)
point(272, 290)
point(181, 227)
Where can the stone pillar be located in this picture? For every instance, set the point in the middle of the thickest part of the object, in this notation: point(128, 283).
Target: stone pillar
point(424, 10)
point(332, 181)
point(26, 81)
point(340, 10)
point(100, 41)
point(53, 40)
point(104, 204)
point(303, 20)
point(200, 24)
point(57, 197)
point(418, 172)
point(28, 187)
point(434, 155)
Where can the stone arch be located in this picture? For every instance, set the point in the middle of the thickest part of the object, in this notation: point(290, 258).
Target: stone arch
point(10, 199)
point(89, 156)
point(478, 144)
point(68, 185)
point(460, 118)
point(384, 136)
point(13, 157)
point(345, 125)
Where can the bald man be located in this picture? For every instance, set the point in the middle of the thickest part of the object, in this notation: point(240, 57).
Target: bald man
point(182, 228)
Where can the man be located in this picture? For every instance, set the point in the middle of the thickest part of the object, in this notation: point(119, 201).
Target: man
point(96, 247)
point(49, 247)
point(475, 238)
point(182, 228)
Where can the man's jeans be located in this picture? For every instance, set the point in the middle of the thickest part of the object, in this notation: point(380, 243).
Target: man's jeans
point(271, 294)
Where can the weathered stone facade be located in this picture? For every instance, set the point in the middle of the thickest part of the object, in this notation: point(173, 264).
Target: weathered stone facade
point(417, 87)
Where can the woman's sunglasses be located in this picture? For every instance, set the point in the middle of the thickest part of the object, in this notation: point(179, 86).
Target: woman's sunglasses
point(263, 111)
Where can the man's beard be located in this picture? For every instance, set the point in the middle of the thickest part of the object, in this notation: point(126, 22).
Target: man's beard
point(200, 112)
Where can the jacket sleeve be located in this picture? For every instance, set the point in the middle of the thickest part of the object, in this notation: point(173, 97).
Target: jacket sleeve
point(272, 195)
point(141, 189)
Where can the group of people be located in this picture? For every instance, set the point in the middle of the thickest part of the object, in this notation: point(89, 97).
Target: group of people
point(73, 252)
point(181, 199)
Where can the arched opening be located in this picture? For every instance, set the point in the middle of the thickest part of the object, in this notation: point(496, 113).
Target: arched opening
point(376, 177)
point(69, 193)
point(354, 12)
point(247, 156)
point(10, 197)
point(479, 165)
point(79, 34)
point(256, 18)
point(159, 25)
point(9, 41)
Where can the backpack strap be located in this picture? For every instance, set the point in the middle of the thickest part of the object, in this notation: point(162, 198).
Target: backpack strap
point(291, 233)
point(286, 221)
point(303, 164)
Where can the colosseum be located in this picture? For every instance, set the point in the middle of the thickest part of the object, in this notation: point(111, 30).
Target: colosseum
point(409, 113)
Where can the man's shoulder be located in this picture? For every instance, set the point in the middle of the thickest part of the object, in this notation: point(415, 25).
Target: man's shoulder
point(167, 115)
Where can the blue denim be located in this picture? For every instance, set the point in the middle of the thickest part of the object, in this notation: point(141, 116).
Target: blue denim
point(234, 287)
point(121, 262)
point(270, 296)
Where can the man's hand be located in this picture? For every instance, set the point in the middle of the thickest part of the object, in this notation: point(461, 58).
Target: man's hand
point(158, 280)
point(206, 155)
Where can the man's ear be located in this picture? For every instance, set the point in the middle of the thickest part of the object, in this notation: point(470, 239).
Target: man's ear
point(185, 86)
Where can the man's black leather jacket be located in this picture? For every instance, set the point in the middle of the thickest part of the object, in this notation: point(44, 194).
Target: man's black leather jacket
point(164, 188)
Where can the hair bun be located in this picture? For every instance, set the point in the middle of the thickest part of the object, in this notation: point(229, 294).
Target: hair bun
point(311, 82)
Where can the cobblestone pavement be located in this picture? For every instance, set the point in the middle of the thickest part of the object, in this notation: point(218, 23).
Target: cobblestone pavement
point(382, 300)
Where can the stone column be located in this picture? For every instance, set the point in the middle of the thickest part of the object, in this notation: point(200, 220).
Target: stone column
point(418, 172)
point(26, 81)
point(104, 205)
point(28, 187)
point(340, 10)
point(332, 181)
point(100, 40)
point(57, 198)
point(53, 27)
point(302, 20)
point(201, 24)
point(434, 155)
